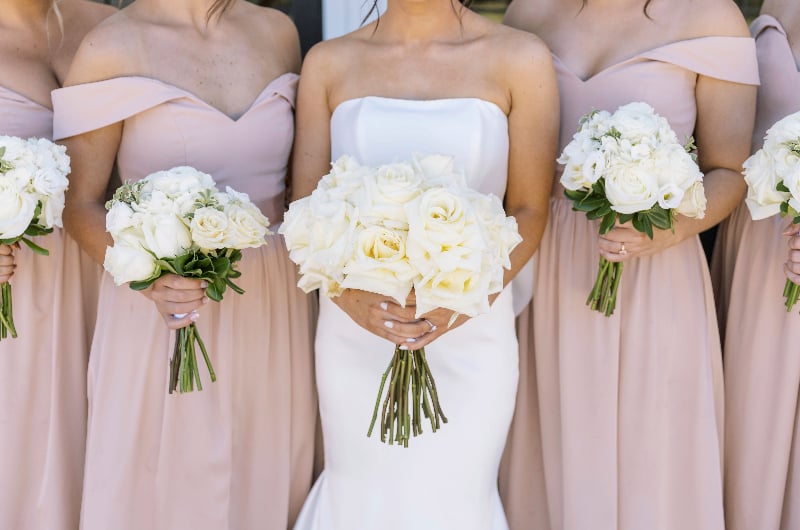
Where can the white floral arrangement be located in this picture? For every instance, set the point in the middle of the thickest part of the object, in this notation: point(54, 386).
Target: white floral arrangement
point(178, 222)
point(395, 228)
point(33, 179)
point(628, 166)
point(773, 181)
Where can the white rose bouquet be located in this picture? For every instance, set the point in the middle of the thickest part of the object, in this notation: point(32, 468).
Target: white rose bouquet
point(397, 228)
point(178, 222)
point(773, 181)
point(629, 167)
point(33, 179)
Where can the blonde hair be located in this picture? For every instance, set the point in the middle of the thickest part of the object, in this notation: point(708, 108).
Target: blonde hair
point(53, 9)
point(218, 8)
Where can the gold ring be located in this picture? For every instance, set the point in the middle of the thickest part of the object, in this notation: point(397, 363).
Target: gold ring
point(622, 251)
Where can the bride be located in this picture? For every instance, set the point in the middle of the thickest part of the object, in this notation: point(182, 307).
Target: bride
point(429, 77)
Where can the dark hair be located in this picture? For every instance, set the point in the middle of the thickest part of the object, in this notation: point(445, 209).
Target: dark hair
point(374, 8)
point(218, 8)
point(646, 4)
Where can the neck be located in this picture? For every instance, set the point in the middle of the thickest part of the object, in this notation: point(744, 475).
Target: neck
point(23, 12)
point(421, 21)
point(194, 12)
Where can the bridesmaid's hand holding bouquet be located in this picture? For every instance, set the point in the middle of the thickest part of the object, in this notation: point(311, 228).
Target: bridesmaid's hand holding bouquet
point(773, 181)
point(178, 222)
point(628, 167)
point(33, 179)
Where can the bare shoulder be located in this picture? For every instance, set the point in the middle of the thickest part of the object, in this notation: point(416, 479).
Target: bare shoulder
point(519, 52)
point(275, 30)
point(111, 49)
point(526, 15)
point(326, 58)
point(714, 18)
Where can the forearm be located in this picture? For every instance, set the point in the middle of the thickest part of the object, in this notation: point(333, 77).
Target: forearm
point(531, 223)
point(86, 223)
point(725, 190)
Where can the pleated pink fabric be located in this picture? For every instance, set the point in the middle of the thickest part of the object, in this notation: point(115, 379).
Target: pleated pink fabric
point(630, 407)
point(762, 359)
point(43, 371)
point(239, 454)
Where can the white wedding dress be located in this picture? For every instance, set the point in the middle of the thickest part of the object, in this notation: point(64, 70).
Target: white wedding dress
point(448, 479)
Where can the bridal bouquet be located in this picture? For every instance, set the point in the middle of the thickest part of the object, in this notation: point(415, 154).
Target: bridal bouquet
point(33, 179)
point(177, 222)
point(773, 179)
point(629, 167)
point(393, 229)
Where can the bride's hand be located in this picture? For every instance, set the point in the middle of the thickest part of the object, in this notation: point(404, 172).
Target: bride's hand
point(382, 316)
point(175, 295)
point(7, 264)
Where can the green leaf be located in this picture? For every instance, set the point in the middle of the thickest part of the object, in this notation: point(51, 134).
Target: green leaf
point(164, 264)
point(660, 217)
point(34, 247)
point(608, 222)
point(144, 284)
point(235, 288)
point(782, 187)
point(213, 291)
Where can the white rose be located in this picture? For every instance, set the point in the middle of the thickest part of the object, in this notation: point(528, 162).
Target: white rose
point(433, 166)
point(247, 227)
point(631, 188)
point(209, 228)
point(52, 209)
point(49, 182)
point(635, 121)
point(463, 290)
point(785, 130)
point(763, 199)
point(17, 209)
point(345, 178)
point(119, 218)
point(380, 265)
point(673, 164)
point(180, 181)
point(129, 264)
point(694, 202)
point(166, 235)
point(385, 194)
point(442, 229)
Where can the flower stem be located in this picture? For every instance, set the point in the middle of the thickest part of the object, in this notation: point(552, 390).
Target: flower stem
point(7, 313)
point(411, 394)
point(791, 291)
point(184, 371)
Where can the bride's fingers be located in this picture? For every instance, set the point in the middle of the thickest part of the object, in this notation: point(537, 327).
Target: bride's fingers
point(392, 311)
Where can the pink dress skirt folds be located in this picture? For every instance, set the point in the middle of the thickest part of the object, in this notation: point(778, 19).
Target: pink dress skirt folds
point(762, 340)
point(43, 370)
point(620, 423)
point(237, 455)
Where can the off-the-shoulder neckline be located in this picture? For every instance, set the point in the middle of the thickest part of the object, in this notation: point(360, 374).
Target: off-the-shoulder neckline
point(638, 55)
point(265, 91)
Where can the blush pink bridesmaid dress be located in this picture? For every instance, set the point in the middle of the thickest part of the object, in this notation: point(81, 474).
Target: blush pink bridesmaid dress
point(620, 423)
point(43, 371)
point(762, 341)
point(239, 454)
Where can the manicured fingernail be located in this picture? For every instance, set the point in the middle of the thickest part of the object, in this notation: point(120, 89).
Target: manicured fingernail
point(205, 299)
point(388, 324)
point(384, 306)
point(194, 316)
point(204, 284)
point(403, 347)
point(411, 340)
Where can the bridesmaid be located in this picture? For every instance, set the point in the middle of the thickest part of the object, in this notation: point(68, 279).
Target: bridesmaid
point(762, 364)
point(619, 425)
point(43, 371)
point(210, 84)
